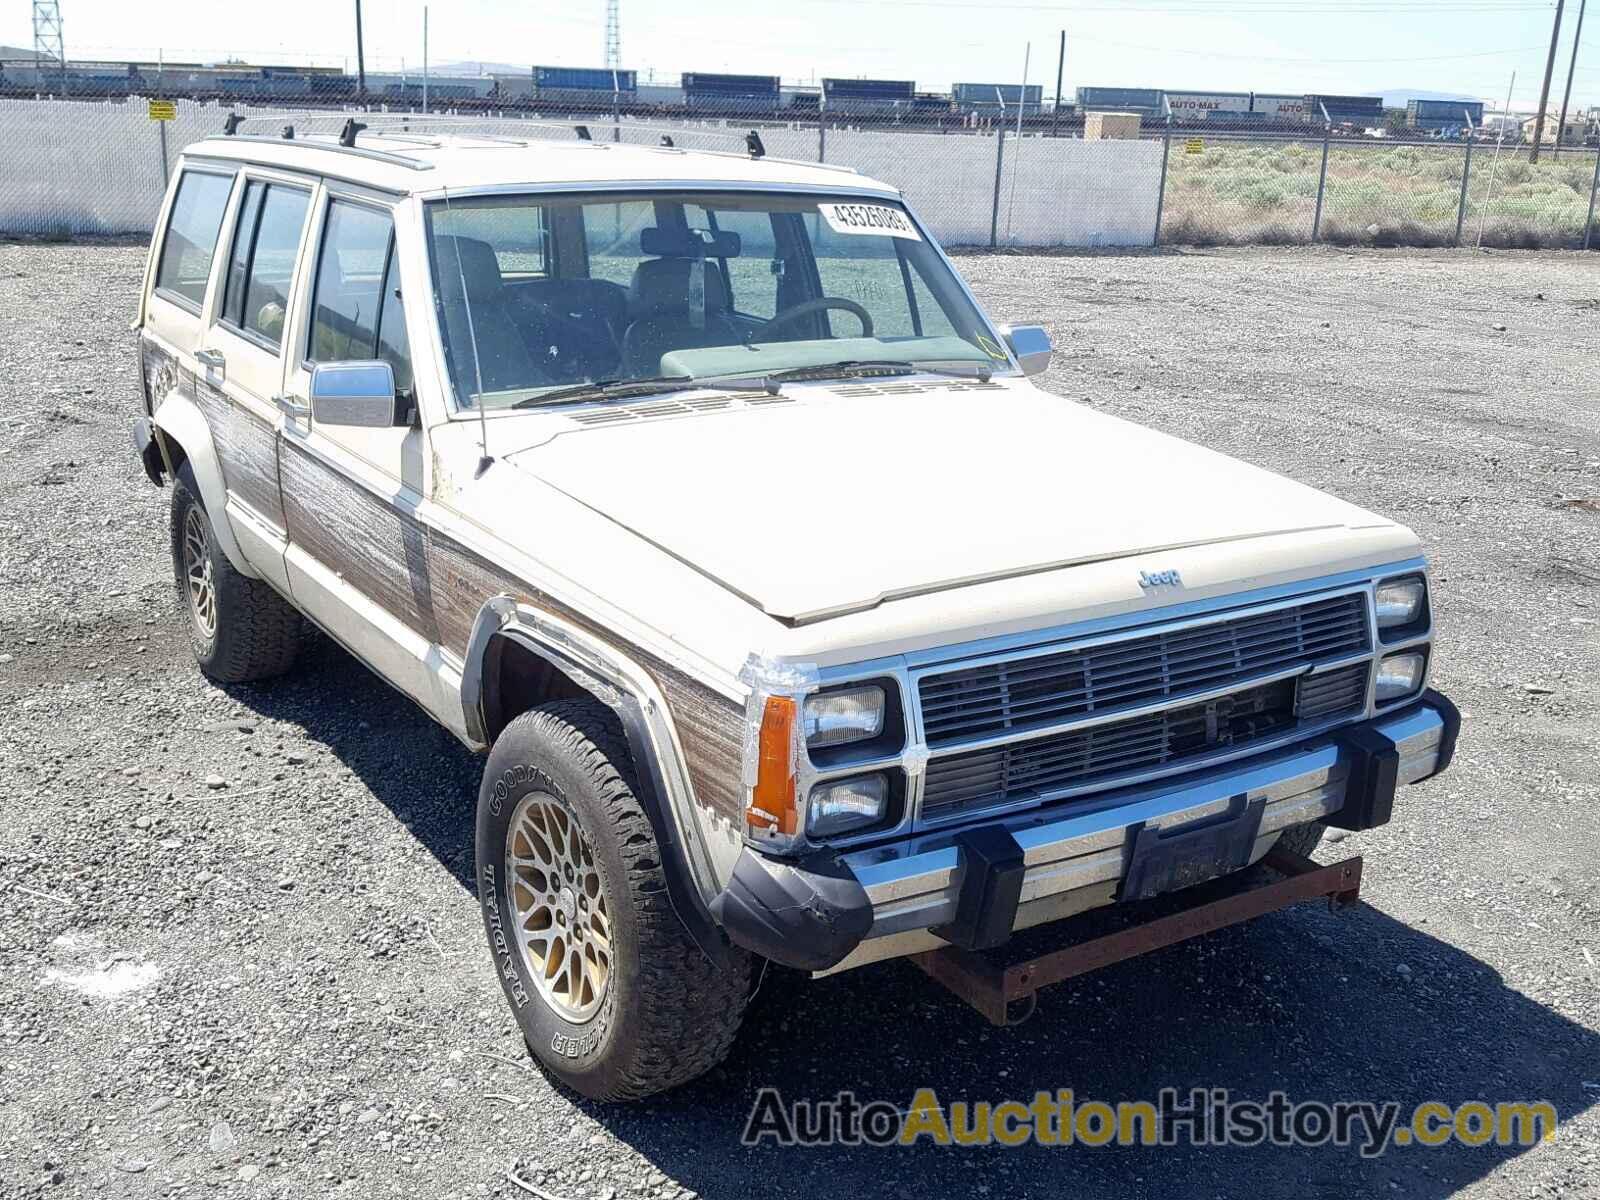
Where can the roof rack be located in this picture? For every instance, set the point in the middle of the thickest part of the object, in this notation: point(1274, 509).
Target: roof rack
point(342, 127)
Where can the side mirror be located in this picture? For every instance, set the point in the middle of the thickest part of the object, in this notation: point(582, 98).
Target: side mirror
point(354, 393)
point(1031, 345)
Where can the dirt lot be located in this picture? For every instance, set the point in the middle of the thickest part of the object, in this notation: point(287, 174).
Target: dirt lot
point(238, 953)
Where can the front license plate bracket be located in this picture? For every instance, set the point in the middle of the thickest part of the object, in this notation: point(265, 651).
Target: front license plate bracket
point(1165, 860)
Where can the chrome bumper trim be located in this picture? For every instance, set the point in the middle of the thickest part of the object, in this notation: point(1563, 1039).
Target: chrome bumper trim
point(1075, 861)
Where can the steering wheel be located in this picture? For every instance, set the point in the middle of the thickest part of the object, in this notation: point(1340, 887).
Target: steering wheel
point(808, 308)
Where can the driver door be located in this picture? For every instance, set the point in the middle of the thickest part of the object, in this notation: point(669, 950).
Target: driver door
point(357, 551)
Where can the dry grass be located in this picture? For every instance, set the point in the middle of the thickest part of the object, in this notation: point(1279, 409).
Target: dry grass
point(1379, 195)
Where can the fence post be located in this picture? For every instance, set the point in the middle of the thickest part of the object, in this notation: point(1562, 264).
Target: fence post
point(1161, 189)
point(1466, 176)
point(999, 158)
point(822, 133)
point(1588, 224)
point(1322, 177)
point(161, 135)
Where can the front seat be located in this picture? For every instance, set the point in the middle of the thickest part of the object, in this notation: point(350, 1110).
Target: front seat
point(670, 309)
point(479, 315)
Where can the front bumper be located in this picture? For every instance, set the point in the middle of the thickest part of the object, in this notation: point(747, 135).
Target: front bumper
point(978, 885)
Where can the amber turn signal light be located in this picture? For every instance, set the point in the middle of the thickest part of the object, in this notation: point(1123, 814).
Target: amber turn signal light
point(772, 801)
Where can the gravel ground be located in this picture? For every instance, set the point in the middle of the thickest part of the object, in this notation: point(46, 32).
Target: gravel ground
point(238, 951)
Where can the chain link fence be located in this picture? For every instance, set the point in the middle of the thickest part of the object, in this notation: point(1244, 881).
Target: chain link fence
point(80, 166)
point(1234, 184)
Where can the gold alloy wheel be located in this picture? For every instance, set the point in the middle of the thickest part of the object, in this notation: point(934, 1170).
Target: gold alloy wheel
point(197, 573)
point(562, 925)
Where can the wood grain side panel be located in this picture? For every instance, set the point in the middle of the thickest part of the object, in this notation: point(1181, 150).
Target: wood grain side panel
point(370, 543)
point(710, 726)
point(247, 448)
point(711, 730)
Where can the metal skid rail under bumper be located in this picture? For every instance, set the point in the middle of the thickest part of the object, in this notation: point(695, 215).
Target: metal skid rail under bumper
point(975, 887)
point(992, 989)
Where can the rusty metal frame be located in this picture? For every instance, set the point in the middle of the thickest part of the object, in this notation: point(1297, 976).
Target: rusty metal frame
point(992, 989)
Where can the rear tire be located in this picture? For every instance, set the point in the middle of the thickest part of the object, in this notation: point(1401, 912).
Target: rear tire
point(240, 629)
point(612, 996)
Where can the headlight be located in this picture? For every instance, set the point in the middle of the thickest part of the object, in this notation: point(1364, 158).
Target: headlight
point(847, 804)
point(1400, 601)
point(1400, 675)
point(848, 715)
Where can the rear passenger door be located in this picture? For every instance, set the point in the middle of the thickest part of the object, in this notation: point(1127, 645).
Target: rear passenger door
point(241, 359)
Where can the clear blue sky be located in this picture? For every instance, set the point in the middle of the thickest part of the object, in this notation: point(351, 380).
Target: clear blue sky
point(1465, 46)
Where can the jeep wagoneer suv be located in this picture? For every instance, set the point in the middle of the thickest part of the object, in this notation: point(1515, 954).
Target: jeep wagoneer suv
point(698, 492)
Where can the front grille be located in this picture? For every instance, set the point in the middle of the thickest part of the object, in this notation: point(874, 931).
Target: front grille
point(1030, 770)
point(1047, 689)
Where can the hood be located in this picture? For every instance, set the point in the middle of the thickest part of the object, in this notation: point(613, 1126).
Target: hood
point(831, 499)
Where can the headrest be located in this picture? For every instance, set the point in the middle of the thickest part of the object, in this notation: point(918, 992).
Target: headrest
point(661, 286)
point(464, 258)
point(689, 243)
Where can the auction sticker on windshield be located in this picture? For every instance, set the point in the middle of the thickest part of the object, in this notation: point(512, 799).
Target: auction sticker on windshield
point(876, 220)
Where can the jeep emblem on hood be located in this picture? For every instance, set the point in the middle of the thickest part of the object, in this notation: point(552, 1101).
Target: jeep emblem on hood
point(1150, 581)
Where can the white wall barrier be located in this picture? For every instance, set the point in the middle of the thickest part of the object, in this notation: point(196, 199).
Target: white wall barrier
point(70, 167)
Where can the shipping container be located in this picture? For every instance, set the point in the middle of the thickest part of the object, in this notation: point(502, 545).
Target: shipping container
point(970, 94)
point(1278, 108)
point(1437, 114)
point(583, 79)
point(1187, 106)
point(1347, 110)
point(706, 85)
point(1146, 100)
point(872, 90)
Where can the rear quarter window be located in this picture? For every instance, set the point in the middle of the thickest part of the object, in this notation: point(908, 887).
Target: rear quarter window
point(191, 237)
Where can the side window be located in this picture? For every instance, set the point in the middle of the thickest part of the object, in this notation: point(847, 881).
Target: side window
point(515, 230)
point(866, 270)
point(611, 235)
point(930, 316)
point(261, 266)
point(355, 305)
point(191, 238)
point(753, 276)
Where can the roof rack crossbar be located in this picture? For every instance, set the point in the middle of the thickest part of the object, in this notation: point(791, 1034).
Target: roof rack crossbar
point(314, 143)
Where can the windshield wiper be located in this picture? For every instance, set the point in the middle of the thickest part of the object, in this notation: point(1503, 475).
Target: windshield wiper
point(845, 368)
point(616, 389)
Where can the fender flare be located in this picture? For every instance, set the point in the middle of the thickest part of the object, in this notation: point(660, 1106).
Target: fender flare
point(178, 418)
point(629, 691)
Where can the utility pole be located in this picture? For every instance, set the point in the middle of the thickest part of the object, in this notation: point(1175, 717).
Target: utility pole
point(1061, 61)
point(361, 56)
point(1572, 68)
point(613, 35)
point(1544, 93)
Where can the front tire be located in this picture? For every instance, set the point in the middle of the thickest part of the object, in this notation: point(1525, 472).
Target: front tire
point(612, 996)
point(1302, 839)
point(240, 629)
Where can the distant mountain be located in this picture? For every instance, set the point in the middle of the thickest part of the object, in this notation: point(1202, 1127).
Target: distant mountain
point(1400, 97)
point(475, 69)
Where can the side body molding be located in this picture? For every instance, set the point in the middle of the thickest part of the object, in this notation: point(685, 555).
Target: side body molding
point(630, 692)
point(178, 417)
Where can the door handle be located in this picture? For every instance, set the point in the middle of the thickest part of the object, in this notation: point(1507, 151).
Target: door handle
point(290, 407)
point(212, 359)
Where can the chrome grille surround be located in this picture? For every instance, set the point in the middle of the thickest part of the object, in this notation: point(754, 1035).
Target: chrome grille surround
point(1041, 690)
point(1094, 713)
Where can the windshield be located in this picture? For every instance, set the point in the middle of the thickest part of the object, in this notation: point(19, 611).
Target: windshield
point(539, 293)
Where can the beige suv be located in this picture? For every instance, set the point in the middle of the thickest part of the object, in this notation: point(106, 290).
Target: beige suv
point(797, 623)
